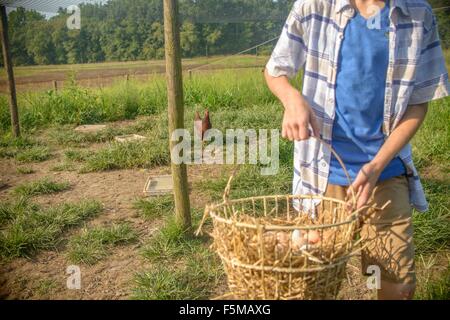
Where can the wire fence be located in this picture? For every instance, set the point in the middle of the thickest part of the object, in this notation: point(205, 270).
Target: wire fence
point(125, 30)
point(445, 39)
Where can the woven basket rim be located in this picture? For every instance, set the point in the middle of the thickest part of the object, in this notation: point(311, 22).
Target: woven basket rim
point(211, 209)
point(280, 196)
point(274, 227)
point(236, 263)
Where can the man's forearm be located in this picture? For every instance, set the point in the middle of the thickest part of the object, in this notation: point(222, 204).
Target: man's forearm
point(402, 134)
point(281, 87)
point(298, 116)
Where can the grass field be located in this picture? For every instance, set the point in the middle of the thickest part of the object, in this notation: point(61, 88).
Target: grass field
point(33, 78)
point(74, 198)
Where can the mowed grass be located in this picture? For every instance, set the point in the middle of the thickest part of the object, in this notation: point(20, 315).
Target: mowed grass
point(128, 155)
point(25, 170)
point(26, 228)
point(41, 187)
point(131, 66)
point(110, 155)
point(93, 245)
point(156, 207)
point(170, 242)
point(23, 149)
point(198, 275)
point(182, 266)
point(64, 135)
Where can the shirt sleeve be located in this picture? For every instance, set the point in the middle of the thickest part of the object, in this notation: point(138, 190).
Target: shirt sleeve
point(289, 54)
point(431, 80)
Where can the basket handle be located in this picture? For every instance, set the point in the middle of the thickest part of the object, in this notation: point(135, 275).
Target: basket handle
point(341, 162)
point(226, 193)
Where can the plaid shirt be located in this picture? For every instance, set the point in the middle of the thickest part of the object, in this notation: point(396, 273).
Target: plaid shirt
point(311, 40)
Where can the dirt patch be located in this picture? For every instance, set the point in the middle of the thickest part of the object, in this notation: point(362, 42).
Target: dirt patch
point(43, 276)
point(434, 172)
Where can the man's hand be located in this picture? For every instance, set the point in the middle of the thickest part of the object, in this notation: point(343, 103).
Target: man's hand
point(298, 115)
point(297, 119)
point(364, 184)
point(368, 176)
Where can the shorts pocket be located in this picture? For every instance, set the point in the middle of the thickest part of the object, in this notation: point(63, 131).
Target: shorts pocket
point(399, 210)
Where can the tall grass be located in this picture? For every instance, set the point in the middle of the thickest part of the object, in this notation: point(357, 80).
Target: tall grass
point(432, 229)
point(126, 100)
point(431, 144)
point(435, 288)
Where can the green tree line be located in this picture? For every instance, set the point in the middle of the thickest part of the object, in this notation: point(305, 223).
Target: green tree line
point(126, 30)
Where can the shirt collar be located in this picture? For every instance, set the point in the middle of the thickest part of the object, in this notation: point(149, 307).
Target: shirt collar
point(341, 4)
point(402, 5)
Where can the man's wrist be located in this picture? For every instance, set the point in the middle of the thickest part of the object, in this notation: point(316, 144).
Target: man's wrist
point(376, 167)
point(291, 95)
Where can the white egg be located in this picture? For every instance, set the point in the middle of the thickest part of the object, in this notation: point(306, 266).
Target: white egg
point(297, 239)
point(297, 236)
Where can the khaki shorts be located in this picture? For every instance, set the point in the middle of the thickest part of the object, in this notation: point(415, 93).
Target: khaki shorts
point(387, 234)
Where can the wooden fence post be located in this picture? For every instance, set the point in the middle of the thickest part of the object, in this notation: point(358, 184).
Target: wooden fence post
point(176, 108)
point(9, 71)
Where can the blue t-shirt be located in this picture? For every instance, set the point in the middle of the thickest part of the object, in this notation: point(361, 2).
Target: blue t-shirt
point(360, 88)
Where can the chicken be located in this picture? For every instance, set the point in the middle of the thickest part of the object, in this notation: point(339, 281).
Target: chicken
point(202, 125)
point(206, 123)
point(198, 125)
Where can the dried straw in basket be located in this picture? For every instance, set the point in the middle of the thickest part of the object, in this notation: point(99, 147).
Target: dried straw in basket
point(254, 238)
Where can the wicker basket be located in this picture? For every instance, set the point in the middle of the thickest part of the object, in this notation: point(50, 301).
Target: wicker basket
point(272, 251)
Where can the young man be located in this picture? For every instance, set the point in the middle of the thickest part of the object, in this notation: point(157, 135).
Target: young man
point(370, 68)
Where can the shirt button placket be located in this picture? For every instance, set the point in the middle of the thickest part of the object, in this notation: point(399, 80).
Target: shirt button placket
point(389, 81)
